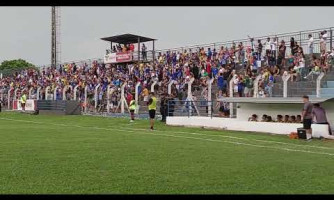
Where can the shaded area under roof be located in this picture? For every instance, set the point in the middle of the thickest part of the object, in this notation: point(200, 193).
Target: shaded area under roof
point(127, 39)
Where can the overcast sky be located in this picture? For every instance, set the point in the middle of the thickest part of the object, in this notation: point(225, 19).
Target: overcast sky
point(26, 31)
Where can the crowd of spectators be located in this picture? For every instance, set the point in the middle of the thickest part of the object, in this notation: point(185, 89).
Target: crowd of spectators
point(238, 62)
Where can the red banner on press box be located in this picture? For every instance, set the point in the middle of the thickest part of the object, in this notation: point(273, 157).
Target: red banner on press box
point(123, 57)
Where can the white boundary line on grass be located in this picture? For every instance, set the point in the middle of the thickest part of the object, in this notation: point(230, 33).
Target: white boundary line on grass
point(233, 137)
point(175, 136)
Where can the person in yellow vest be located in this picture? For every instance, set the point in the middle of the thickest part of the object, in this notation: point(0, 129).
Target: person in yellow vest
point(132, 108)
point(23, 100)
point(152, 107)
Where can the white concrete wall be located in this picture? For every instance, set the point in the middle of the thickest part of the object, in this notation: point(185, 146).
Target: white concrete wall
point(242, 125)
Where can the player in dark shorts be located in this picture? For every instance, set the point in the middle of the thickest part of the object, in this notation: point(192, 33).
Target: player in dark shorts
point(152, 107)
point(307, 116)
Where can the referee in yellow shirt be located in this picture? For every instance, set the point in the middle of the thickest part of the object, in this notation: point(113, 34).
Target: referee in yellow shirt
point(152, 107)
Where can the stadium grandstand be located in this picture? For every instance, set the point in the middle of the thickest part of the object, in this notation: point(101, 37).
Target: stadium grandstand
point(283, 65)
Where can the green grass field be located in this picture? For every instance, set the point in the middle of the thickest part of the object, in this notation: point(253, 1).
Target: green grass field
point(90, 155)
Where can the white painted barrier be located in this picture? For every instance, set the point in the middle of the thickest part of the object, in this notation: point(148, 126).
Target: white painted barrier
point(285, 79)
point(55, 93)
point(75, 92)
point(256, 86)
point(38, 93)
point(96, 96)
point(170, 86)
point(86, 88)
point(152, 86)
point(30, 90)
point(65, 89)
point(237, 125)
point(210, 96)
point(47, 92)
point(231, 84)
point(137, 94)
point(322, 74)
point(15, 93)
point(110, 91)
point(31, 105)
point(9, 99)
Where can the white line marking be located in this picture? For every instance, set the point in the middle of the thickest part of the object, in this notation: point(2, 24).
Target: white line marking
point(233, 137)
point(175, 136)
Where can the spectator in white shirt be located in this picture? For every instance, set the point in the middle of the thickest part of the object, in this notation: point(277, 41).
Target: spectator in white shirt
point(323, 38)
point(267, 47)
point(273, 46)
point(310, 44)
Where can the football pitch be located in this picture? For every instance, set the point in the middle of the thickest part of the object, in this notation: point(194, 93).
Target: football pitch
point(97, 155)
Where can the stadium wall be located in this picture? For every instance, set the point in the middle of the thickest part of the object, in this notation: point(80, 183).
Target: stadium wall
point(240, 125)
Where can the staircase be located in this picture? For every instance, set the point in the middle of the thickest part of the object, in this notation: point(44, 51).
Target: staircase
point(327, 85)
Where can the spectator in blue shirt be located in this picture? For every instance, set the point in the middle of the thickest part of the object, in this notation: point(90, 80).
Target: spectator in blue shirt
point(220, 82)
point(209, 54)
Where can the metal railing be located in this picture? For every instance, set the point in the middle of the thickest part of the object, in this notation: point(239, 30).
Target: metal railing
point(301, 37)
point(189, 108)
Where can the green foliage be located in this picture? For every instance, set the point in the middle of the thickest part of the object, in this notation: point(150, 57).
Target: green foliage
point(18, 64)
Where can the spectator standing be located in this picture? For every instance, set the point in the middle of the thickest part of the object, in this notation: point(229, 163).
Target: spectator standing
point(307, 116)
point(259, 49)
point(214, 54)
point(323, 61)
point(323, 39)
point(310, 44)
point(145, 94)
point(132, 47)
point(273, 46)
point(248, 86)
point(163, 107)
point(281, 54)
point(292, 44)
point(209, 54)
point(143, 52)
point(267, 47)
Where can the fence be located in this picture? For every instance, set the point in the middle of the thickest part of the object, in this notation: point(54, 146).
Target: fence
point(190, 108)
point(299, 36)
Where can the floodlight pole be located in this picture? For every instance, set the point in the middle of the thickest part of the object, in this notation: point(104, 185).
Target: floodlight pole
point(138, 49)
point(153, 52)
